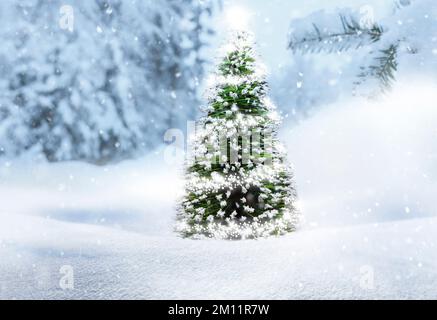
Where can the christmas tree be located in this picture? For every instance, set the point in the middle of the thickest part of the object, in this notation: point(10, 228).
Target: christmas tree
point(238, 185)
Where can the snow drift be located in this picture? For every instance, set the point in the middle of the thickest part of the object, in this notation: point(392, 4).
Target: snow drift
point(368, 161)
point(366, 177)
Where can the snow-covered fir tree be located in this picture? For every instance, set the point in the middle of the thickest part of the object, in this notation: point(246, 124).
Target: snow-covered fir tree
point(238, 183)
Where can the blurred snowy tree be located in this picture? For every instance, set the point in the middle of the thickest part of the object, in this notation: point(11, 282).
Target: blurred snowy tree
point(105, 89)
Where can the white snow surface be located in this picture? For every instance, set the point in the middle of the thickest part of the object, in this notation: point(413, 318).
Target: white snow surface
point(366, 176)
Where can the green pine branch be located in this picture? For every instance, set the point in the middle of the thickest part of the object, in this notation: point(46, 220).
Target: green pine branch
point(383, 70)
point(352, 35)
point(247, 98)
point(237, 63)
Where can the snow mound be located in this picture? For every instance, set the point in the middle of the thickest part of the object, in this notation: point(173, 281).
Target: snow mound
point(365, 162)
point(366, 177)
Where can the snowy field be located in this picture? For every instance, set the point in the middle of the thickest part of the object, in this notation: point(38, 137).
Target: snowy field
point(366, 176)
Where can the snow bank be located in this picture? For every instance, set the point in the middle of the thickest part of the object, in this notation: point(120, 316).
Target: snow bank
point(130, 195)
point(360, 168)
point(364, 162)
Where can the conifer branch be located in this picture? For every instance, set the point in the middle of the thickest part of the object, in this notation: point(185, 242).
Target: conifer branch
point(352, 35)
point(383, 70)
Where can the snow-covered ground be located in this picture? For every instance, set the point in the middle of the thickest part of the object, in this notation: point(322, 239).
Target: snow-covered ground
point(366, 175)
